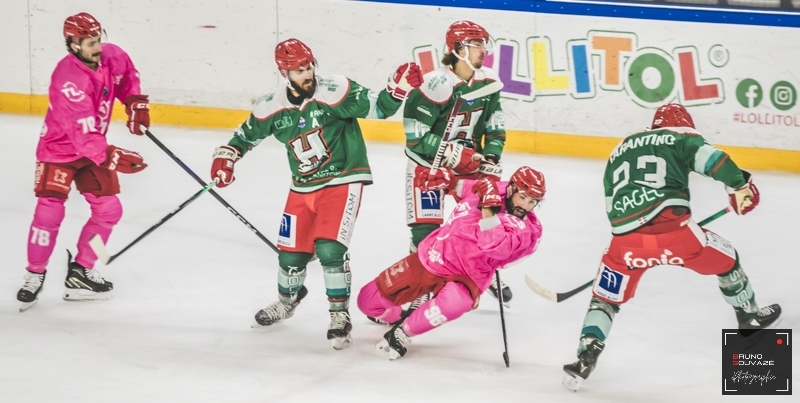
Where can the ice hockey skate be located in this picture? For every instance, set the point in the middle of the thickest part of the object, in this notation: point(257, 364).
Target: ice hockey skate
point(578, 371)
point(85, 284)
point(406, 312)
point(505, 289)
point(766, 318)
point(279, 310)
point(29, 293)
point(339, 330)
point(394, 344)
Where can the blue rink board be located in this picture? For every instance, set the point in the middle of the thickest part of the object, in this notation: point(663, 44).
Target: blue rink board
point(765, 17)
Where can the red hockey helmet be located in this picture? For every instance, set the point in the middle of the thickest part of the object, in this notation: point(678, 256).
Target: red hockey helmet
point(672, 115)
point(463, 31)
point(292, 54)
point(80, 26)
point(529, 181)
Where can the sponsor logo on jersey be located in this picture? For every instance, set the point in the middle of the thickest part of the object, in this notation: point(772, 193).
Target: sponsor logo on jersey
point(721, 244)
point(301, 123)
point(434, 82)
point(264, 98)
point(645, 258)
point(118, 78)
point(430, 204)
point(287, 233)
point(329, 83)
point(72, 92)
point(637, 198)
point(611, 284)
point(349, 214)
point(283, 122)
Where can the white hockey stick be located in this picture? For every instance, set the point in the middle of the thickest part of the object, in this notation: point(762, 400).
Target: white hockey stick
point(448, 130)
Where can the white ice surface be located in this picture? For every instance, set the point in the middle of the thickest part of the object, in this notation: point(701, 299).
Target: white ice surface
point(178, 327)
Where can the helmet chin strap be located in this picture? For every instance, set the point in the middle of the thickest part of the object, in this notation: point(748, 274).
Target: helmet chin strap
point(285, 76)
point(466, 57)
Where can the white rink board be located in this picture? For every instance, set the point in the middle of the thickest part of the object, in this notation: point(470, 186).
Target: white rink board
point(219, 54)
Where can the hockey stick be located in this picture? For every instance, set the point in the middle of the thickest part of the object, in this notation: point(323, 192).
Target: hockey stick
point(99, 248)
point(489, 89)
point(561, 296)
point(211, 191)
point(502, 319)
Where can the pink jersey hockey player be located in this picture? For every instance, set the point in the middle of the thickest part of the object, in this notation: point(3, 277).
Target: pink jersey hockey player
point(73, 148)
point(492, 227)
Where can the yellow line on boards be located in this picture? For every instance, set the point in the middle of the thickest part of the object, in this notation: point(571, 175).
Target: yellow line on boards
point(387, 131)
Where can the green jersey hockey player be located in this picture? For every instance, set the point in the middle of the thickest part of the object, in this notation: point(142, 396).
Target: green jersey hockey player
point(478, 134)
point(647, 200)
point(315, 118)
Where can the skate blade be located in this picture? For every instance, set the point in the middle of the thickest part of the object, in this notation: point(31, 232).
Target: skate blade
point(24, 306)
point(257, 325)
point(341, 343)
point(572, 383)
point(79, 294)
point(386, 352)
point(775, 324)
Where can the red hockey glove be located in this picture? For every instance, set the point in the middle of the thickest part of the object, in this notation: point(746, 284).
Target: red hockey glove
point(222, 165)
point(488, 194)
point(746, 198)
point(407, 76)
point(123, 161)
point(463, 160)
point(138, 110)
point(441, 179)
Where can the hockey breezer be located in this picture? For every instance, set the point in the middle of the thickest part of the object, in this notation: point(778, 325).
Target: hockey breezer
point(561, 296)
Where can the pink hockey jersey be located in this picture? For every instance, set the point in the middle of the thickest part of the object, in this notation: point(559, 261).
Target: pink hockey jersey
point(81, 101)
point(475, 246)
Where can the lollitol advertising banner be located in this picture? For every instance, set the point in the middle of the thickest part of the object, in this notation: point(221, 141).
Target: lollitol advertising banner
point(579, 75)
point(564, 74)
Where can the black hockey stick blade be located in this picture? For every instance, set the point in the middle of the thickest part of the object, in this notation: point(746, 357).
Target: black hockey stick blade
point(554, 296)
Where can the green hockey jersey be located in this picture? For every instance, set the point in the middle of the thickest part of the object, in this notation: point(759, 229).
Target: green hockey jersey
point(649, 171)
point(323, 140)
point(479, 123)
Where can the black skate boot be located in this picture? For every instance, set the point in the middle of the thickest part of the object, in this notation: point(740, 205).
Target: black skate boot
point(339, 330)
point(579, 370)
point(505, 289)
point(279, 310)
point(765, 318)
point(85, 284)
point(27, 295)
point(394, 343)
